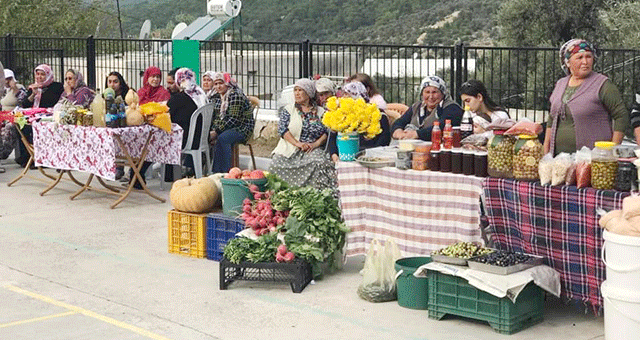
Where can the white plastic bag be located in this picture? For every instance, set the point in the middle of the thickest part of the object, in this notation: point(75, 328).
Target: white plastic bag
point(379, 274)
point(561, 165)
point(545, 169)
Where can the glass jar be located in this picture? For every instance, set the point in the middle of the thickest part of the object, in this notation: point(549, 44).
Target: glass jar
point(480, 163)
point(604, 166)
point(527, 152)
point(500, 155)
point(457, 137)
point(403, 160)
point(456, 160)
point(434, 161)
point(626, 176)
point(467, 162)
point(445, 160)
point(419, 161)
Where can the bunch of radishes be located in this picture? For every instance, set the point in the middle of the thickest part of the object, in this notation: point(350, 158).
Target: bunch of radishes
point(283, 255)
point(259, 215)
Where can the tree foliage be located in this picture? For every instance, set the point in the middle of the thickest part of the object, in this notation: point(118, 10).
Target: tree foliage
point(622, 21)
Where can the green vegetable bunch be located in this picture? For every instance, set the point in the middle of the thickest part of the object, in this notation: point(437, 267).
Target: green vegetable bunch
point(245, 249)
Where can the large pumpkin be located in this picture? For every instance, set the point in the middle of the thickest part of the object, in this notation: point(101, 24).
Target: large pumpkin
point(216, 179)
point(194, 195)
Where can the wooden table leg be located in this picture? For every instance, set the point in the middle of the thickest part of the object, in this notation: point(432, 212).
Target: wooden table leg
point(55, 182)
point(26, 169)
point(84, 187)
point(110, 187)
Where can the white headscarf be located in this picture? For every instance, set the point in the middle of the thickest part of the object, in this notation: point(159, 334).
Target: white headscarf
point(186, 79)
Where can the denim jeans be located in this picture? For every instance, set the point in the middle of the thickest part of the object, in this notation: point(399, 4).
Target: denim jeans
point(223, 150)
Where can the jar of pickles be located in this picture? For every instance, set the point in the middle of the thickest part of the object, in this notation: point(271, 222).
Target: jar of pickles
point(500, 155)
point(527, 152)
point(604, 166)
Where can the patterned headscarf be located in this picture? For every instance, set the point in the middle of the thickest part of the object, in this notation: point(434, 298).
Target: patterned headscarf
point(211, 92)
point(186, 79)
point(325, 85)
point(434, 81)
point(148, 93)
point(572, 47)
point(81, 94)
point(355, 90)
point(231, 83)
point(307, 86)
point(47, 81)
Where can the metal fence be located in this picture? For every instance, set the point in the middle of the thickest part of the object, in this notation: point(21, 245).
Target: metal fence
point(519, 79)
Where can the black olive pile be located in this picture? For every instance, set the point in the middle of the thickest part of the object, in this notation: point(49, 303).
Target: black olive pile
point(503, 258)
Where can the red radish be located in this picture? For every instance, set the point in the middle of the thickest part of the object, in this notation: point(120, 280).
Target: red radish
point(282, 249)
point(264, 231)
point(257, 174)
point(246, 201)
point(279, 258)
point(253, 188)
point(288, 257)
point(257, 195)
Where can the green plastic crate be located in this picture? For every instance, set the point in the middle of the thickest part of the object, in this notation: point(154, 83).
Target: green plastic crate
point(454, 295)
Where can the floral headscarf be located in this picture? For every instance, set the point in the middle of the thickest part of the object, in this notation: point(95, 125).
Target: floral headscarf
point(148, 93)
point(231, 83)
point(81, 95)
point(47, 81)
point(572, 47)
point(186, 79)
point(211, 92)
point(356, 90)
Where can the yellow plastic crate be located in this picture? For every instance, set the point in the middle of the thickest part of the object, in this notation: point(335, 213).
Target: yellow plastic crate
point(187, 233)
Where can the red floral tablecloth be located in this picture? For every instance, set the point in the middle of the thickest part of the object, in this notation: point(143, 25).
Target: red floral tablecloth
point(93, 149)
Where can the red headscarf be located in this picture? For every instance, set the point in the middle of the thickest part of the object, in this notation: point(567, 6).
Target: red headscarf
point(148, 93)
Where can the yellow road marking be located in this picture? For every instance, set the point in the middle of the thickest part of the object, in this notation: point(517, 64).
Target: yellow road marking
point(15, 323)
point(88, 313)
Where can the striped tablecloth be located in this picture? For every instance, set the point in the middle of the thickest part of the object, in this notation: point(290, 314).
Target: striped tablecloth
point(420, 210)
point(559, 223)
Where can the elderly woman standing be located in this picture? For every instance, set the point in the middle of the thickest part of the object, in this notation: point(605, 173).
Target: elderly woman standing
point(299, 158)
point(75, 90)
point(232, 120)
point(355, 90)
point(583, 104)
point(435, 104)
point(13, 92)
point(152, 89)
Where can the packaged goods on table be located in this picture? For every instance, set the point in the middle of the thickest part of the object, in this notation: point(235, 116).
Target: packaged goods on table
point(480, 160)
point(459, 253)
point(456, 160)
point(583, 167)
point(434, 160)
point(445, 160)
point(500, 155)
point(403, 160)
point(604, 166)
point(560, 167)
point(467, 162)
point(527, 152)
point(420, 160)
point(626, 179)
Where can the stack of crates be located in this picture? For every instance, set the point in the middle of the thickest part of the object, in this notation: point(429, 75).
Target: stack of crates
point(187, 233)
point(220, 229)
point(454, 295)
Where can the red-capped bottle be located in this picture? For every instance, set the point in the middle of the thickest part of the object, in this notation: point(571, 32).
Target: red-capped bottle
point(447, 135)
point(436, 136)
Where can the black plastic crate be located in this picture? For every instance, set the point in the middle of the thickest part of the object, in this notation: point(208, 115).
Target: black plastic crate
point(296, 273)
point(220, 229)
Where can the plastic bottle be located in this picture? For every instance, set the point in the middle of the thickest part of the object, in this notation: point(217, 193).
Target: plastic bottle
point(436, 136)
point(466, 126)
point(447, 135)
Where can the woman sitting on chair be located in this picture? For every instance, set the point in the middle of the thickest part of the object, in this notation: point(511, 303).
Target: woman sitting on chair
point(299, 158)
point(75, 90)
point(232, 120)
point(207, 85)
point(152, 90)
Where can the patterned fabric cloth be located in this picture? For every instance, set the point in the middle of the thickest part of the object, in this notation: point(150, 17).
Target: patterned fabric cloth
point(8, 139)
point(81, 95)
point(313, 168)
point(94, 149)
point(356, 90)
point(239, 114)
point(312, 127)
point(186, 79)
point(420, 210)
point(572, 47)
point(559, 223)
point(42, 85)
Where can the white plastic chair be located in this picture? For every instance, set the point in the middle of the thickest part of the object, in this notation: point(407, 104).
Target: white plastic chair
point(206, 112)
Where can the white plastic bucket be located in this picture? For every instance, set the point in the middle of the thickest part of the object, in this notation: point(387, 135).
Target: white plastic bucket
point(621, 313)
point(620, 253)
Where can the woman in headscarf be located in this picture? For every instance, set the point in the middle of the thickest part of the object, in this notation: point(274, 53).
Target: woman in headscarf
point(372, 91)
point(299, 158)
point(116, 82)
point(43, 93)
point(583, 104)
point(484, 110)
point(435, 104)
point(152, 89)
point(355, 90)
point(14, 91)
point(232, 120)
point(186, 80)
point(207, 85)
point(75, 90)
point(325, 88)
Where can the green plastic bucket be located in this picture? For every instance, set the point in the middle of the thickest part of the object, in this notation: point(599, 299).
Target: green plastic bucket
point(234, 191)
point(413, 292)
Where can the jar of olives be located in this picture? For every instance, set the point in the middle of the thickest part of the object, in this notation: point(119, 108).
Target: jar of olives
point(604, 166)
point(527, 152)
point(500, 155)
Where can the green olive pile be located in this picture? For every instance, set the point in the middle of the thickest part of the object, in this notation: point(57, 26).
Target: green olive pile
point(526, 159)
point(500, 156)
point(503, 258)
point(463, 250)
point(603, 174)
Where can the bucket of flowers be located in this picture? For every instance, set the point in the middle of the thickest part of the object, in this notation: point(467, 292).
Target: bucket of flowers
point(351, 118)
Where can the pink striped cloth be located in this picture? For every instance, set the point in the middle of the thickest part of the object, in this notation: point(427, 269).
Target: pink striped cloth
point(420, 210)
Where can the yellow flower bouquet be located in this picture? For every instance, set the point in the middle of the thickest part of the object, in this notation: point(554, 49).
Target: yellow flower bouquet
point(346, 115)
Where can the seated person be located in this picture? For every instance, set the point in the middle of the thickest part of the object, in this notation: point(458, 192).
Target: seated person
point(152, 90)
point(232, 120)
point(75, 90)
point(483, 109)
point(435, 104)
point(207, 85)
point(13, 91)
point(355, 90)
point(299, 158)
point(372, 90)
point(116, 82)
point(325, 88)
